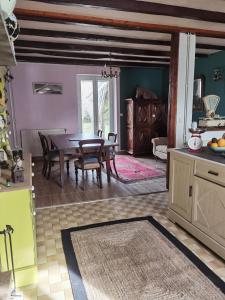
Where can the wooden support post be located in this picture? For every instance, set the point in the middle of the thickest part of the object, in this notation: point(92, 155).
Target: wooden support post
point(173, 80)
point(172, 101)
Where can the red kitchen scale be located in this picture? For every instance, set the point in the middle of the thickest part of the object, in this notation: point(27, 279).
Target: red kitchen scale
point(195, 143)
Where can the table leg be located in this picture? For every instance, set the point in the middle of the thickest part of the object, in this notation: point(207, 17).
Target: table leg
point(61, 162)
point(108, 170)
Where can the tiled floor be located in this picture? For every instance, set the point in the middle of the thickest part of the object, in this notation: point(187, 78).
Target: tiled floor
point(53, 276)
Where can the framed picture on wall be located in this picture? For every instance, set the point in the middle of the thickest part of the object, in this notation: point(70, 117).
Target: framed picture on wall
point(44, 88)
point(198, 93)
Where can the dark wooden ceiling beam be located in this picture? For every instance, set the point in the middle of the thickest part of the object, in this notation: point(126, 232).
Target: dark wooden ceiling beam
point(106, 38)
point(89, 55)
point(210, 47)
point(91, 48)
point(90, 36)
point(84, 47)
point(65, 61)
point(62, 18)
point(147, 8)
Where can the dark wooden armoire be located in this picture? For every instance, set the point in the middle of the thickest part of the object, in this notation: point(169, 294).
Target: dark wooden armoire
point(146, 119)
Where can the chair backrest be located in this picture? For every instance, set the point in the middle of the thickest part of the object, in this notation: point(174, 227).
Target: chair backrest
point(112, 137)
point(91, 148)
point(44, 143)
point(160, 141)
point(99, 132)
point(30, 140)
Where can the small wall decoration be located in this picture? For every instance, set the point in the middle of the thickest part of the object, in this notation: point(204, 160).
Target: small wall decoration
point(45, 88)
point(217, 74)
point(12, 27)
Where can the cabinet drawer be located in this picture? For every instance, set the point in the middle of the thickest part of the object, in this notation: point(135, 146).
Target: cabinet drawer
point(211, 171)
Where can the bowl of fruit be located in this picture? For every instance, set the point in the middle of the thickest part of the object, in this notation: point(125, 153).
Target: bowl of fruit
point(217, 145)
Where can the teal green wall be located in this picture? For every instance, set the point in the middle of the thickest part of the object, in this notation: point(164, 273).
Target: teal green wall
point(206, 66)
point(155, 79)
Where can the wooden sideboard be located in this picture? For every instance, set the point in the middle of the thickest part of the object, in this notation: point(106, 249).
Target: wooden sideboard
point(17, 209)
point(197, 196)
point(146, 119)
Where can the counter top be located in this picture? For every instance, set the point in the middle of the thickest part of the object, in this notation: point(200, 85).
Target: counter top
point(27, 184)
point(205, 154)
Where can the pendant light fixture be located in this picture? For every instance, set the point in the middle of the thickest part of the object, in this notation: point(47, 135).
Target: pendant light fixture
point(108, 72)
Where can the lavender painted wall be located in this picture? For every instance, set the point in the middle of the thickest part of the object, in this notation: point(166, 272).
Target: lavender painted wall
point(47, 111)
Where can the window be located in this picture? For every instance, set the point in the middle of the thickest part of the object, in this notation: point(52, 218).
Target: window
point(96, 104)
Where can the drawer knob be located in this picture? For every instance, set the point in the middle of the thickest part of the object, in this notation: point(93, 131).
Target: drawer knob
point(213, 173)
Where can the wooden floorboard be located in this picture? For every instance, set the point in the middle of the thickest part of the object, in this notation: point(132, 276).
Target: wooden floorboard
point(49, 193)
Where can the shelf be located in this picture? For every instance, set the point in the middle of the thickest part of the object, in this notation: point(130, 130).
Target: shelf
point(221, 128)
point(26, 184)
point(7, 53)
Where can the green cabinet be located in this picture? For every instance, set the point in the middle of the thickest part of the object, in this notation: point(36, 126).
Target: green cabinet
point(17, 210)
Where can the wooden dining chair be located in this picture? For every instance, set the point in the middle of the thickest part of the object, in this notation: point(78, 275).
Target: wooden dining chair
point(99, 132)
point(50, 156)
point(90, 159)
point(110, 154)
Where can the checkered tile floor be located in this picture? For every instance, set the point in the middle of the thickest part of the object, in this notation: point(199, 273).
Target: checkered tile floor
point(53, 281)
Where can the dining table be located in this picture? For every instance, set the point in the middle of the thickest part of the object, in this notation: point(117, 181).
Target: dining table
point(70, 142)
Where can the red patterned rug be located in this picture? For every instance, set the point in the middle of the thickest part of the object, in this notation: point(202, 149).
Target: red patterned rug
point(131, 170)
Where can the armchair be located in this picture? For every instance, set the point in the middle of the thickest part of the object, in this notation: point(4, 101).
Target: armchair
point(160, 147)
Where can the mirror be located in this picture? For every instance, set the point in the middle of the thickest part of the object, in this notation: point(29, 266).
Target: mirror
point(198, 93)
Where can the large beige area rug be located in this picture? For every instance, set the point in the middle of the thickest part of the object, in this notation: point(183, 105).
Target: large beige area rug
point(135, 259)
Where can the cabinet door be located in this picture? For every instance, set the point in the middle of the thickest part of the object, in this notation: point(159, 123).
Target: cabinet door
point(142, 140)
point(130, 126)
point(209, 208)
point(159, 120)
point(130, 140)
point(181, 174)
point(142, 113)
point(130, 113)
point(15, 210)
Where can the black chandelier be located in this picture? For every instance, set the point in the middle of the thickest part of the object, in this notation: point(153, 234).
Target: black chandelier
point(108, 72)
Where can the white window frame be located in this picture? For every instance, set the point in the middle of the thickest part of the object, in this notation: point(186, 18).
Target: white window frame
point(113, 104)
